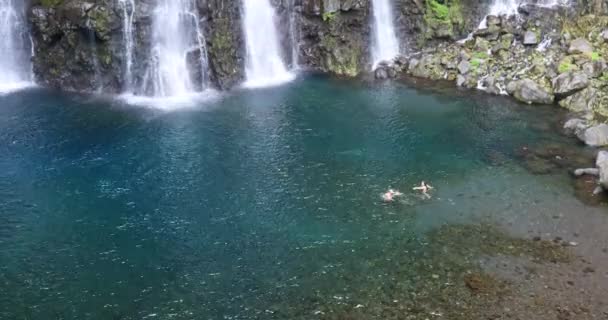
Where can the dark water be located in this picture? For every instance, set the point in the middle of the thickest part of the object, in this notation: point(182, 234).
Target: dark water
point(258, 205)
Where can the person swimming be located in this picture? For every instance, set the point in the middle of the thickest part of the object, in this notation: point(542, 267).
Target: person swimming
point(424, 188)
point(390, 195)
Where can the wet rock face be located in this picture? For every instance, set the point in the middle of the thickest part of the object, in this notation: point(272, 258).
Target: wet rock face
point(76, 45)
point(225, 42)
point(334, 36)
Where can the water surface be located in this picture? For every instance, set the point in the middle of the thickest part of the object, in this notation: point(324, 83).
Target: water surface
point(262, 204)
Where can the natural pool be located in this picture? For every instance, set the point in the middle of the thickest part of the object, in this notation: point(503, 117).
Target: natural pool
point(265, 204)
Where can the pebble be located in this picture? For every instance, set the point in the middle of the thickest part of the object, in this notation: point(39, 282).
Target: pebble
point(588, 270)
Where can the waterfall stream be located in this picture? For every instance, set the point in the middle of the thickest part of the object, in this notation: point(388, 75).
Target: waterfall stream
point(294, 34)
point(385, 45)
point(177, 65)
point(264, 65)
point(15, 50)
point(128, 12)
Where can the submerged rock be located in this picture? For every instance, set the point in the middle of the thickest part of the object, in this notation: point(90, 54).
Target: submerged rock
point(528, 91)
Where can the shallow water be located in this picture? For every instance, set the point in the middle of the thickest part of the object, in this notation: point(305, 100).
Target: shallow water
point(260, 204)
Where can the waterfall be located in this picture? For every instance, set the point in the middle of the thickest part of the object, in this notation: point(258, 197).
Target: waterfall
point(128, 12)
point(264, 64)
point(15, 50)
point(385, 45)
point(294, 34)
point(178, 45)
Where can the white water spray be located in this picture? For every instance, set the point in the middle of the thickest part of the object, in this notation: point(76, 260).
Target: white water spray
point(385, 44)
point(178, 44)
point(128, 12)
point(15, 53)
point(264, 65)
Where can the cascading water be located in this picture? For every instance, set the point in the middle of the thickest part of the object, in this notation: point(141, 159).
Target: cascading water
point(385, 44)
point(264, 65)
point(15, 50)
point(128, 12)
point(294, 34)
point(178, 44)
point(510, 7)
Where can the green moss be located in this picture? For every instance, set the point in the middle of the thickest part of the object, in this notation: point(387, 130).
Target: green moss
point(481, 55)
point(604, 77)
point(442, 17)
point(594, 56)
point(50, 3)
point(565, 67)
point(329, 16)
point(439, 11)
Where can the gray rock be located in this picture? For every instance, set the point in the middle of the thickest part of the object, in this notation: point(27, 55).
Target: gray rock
point(575, 126)
point(581, 101)
point(381, 73)
point(464, 66)
point(492, 20)
point(331, 5)
point(595, 136)
point(528, 91)
point(570, 82)
point(601, 162)
point(530, 38)
point(604, 35)
point(587, 171)
point(595, 68)
point(580, 45)
point(460, 80)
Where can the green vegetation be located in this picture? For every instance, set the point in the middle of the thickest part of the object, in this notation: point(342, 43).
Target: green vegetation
point(604, 77)
point(595, 56)
point(329, 16)
point(565, 67)
point(440, 11)
point(50, 3)
point(481, 55)
point(475, 63)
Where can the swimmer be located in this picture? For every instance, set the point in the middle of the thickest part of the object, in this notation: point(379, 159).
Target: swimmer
point(425, 188)
point(390, 195)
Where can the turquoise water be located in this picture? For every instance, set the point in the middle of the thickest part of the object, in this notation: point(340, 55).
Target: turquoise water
point(260, 204)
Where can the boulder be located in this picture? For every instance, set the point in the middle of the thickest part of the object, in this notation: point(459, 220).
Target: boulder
point(595, 136)
point(575, 126)
point(587, 171)
point(595, 68)
point(530, 38)
point(580, 45)
point(601, 162)
point(570, 82)
point(581, 101)
point(528, 91)
point(381, 73)
point(460, 80)
point(492, 20)
point(464, 66)
point(604, 35)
